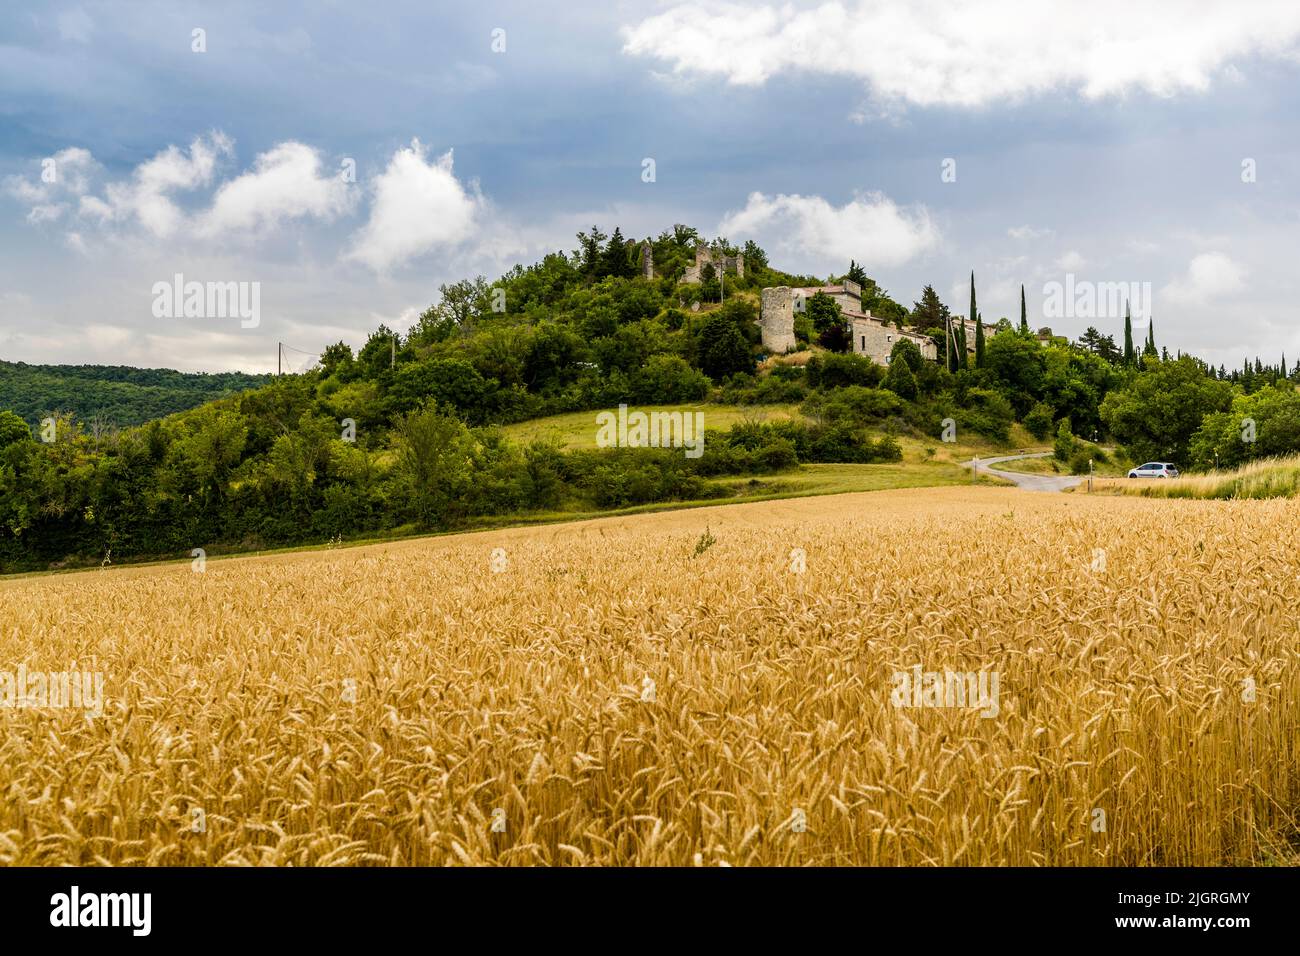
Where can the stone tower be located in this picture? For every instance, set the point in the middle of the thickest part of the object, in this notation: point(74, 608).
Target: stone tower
point(647, 260)
point(777, 319)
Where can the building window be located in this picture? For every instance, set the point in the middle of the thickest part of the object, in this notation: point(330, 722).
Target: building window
point(864, 343)
point(889, 338)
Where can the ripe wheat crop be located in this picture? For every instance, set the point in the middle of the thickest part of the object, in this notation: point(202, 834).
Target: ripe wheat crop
point(625, 691)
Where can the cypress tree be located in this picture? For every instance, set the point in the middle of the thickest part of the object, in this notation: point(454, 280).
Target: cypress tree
point(1130, 357)
point(1024, 316)
point(979, 343)
point(1150, 347)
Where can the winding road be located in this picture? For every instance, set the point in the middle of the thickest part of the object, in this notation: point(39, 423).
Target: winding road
point(1029, 482)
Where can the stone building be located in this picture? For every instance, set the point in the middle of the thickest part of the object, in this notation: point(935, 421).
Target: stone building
point(776, 319)
point(704, 256)
point(872, 336)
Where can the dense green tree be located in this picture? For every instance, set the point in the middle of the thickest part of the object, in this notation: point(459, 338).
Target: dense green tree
point(1018, 365)
point(1155, 415)
point(590, 253)
point(1064, 445)
point(1130, 356)
point(823, 312)
point(435, 463)
point(755, 257)
point(900, 380)
point(1039, 421)
point(1100, 345)
point(1260, 425)
point(13, 429)
point(337, 360)
point(723, 349)
point(841, 371)
point(451, 383)
point(617, 260)
point(929, 313)
point(554, 356)
point(1149, 349)
point(905, 350)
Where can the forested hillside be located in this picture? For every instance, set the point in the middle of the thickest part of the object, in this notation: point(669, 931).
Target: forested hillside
point(111, 395)
point(403, 435)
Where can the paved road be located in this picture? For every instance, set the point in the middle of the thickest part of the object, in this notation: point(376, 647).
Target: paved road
point(1030, 482)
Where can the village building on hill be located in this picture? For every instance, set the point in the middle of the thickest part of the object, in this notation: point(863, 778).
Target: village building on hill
point(872, 336)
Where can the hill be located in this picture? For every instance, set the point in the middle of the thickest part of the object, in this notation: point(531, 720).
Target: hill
point(115, 395)
point(497, 406)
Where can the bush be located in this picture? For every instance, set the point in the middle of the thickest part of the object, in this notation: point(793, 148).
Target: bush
point(668, 379)
point(900, 380)
point(1064, 446)
point(1039, 421)
point(836, 371)
point(987, 413)
point(854, 404)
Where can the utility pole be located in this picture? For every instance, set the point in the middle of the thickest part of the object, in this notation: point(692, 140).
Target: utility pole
point(279, 351)
point(393, 362)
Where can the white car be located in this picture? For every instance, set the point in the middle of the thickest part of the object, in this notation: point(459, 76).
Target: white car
point(1154, 469)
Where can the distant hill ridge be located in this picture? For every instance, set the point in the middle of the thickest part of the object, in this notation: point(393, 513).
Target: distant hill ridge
point(117, 394)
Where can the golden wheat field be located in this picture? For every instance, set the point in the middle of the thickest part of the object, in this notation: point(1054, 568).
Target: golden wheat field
point(624, 692)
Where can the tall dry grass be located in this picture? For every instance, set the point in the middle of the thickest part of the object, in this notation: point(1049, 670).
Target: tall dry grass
point(624, 695)
point(1263, 478)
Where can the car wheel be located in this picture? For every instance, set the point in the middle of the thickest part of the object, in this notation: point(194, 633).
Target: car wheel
point(1132, 474)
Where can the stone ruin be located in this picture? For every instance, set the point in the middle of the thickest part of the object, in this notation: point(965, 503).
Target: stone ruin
point(871, 336)
point(705, 256)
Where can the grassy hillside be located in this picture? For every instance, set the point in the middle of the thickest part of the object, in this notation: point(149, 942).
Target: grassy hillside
point(116, 394)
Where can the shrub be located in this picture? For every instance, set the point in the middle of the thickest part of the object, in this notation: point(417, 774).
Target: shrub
point(1039, 421)
point(836, 371)
point(1064, 446)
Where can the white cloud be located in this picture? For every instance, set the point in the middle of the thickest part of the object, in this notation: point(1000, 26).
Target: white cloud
point(1210, 276)
point(810, 233)
point(956, 53)
point(1072, 261)
point(286, 182)
point(417, 205)
point(1028, 232)
point(64, 175)
point(46, 212)
point(147, 196)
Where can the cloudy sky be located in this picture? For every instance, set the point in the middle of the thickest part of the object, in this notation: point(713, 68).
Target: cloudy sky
point(1113, 142)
